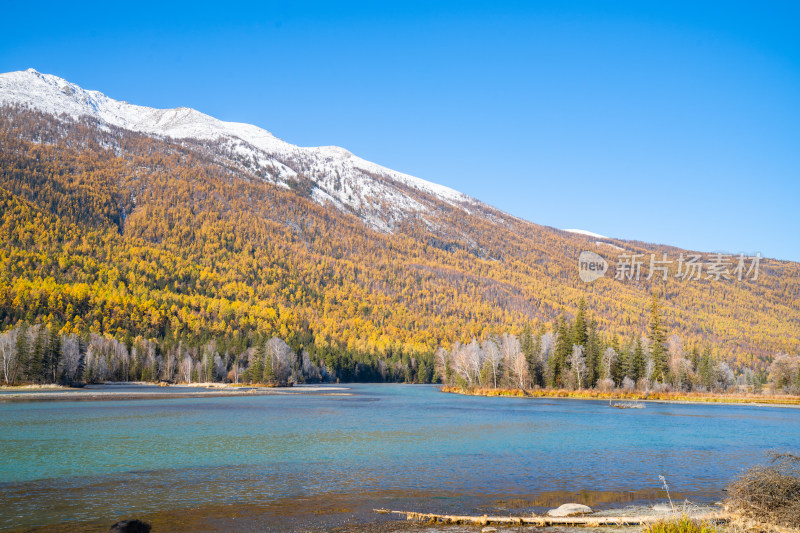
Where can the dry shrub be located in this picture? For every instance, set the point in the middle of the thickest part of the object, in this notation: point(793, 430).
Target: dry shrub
point(769, 494)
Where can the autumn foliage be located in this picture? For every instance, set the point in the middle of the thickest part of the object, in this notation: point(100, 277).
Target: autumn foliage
point(121, 235)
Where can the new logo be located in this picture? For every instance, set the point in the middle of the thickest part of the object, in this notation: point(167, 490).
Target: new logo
point(591, 266)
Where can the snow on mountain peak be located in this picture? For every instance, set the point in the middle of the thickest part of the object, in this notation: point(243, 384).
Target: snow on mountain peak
point(587, 233)
point(381, 196)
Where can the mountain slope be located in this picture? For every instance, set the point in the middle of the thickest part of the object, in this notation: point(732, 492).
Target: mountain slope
point(172, 225)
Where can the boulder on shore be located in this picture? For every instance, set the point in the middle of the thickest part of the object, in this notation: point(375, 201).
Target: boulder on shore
point(570, 509)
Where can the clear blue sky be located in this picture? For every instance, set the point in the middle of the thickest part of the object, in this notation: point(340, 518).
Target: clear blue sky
point(671, 122)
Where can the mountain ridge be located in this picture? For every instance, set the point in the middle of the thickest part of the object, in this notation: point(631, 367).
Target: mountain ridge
point(278, 160)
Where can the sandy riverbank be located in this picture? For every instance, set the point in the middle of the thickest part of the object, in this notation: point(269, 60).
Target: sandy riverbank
point(49, 386)
point(149, 391)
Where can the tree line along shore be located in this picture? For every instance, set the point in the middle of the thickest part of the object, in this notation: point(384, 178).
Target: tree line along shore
point(574, 359)
point(571, 358)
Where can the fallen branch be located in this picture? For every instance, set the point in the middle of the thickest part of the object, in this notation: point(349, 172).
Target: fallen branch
point(589, 521)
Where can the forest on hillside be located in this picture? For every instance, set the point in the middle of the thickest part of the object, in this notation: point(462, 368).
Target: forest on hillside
point(136, 257)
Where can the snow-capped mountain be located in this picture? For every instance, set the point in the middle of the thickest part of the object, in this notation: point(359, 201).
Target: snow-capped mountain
point(378, 195)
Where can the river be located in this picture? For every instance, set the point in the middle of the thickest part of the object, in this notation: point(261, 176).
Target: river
point(293, 462)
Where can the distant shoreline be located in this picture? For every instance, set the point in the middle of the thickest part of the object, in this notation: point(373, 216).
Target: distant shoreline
point(191, 390)
point(652, 397)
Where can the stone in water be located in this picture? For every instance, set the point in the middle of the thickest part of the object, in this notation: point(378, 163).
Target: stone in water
point(570, 509)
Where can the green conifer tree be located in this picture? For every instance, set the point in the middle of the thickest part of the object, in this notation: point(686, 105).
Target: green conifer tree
point(422, 372)
point(658, 342)
point(530, 346)
point(618, 366)
point(53, 355)
point(561, 353)
point(36, 362)
point(636, 371)
point(594, 350)
point(211, 368)
point(268, 374)
point(706, 369)
point(580, 331)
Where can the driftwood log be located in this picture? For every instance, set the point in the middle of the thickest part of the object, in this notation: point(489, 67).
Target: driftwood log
point(541, 521)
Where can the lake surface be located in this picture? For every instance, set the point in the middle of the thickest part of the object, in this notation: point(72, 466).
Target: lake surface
point(298, 461)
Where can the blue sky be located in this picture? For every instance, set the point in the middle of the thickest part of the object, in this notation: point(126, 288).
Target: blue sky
point(671, 122)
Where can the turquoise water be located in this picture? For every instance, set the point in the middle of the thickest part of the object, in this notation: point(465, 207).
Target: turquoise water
point(281, 462)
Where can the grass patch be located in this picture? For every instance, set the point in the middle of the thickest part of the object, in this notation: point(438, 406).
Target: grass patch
point(684, 524)
point(705, 397)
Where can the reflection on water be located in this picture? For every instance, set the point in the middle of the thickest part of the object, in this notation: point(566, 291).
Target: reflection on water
point(272, 462)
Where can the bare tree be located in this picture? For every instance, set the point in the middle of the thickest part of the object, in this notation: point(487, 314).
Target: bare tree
point(474, 358)
point(784, 371)
point(649, 369)
point(577, 363)
point(519, 370)
point(198, 370)
point(119, 354)
point(460, 363)
point(607, 361)
point(547, 345)
point(206, 366)
point(493, 357)
point(8, 356)
point(514, 360)
point(467, 361)
point(680, 367)
point(220, 368)
point(605, 384)
point(682, 372)
point(628, 384)
point(279, 355)
point(170, 363)
point(441, 362)
point(94, 370)
point(70, 358)
point(236, 370)
point(96, 361)
point(152, 361)
point(185, 368)
point(725, 376)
